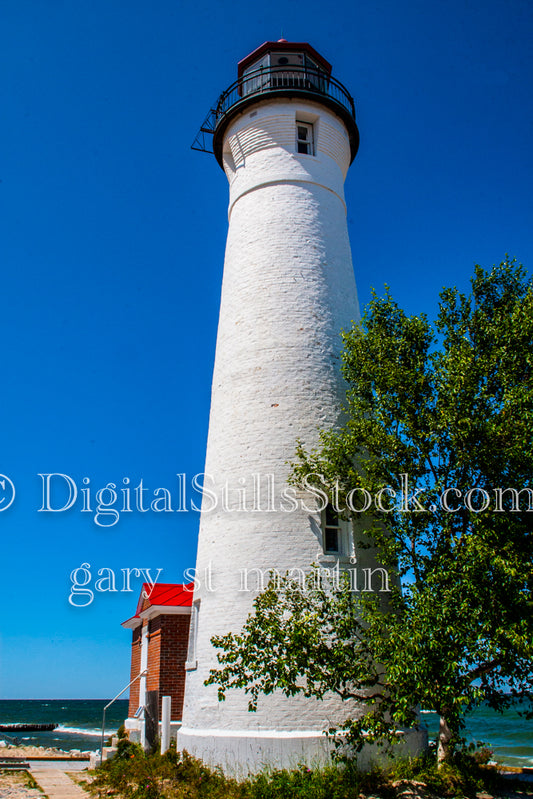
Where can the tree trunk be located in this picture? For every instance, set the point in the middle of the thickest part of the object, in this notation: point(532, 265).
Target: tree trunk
point(444, 746)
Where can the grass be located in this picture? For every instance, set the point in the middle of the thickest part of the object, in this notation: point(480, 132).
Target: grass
point(14, 779)
point(31, 782)
point(132, 774)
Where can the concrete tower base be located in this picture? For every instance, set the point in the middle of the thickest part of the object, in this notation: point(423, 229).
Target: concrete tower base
point(240, 752)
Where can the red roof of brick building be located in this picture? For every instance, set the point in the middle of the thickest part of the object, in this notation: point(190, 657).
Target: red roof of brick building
point(161, 596)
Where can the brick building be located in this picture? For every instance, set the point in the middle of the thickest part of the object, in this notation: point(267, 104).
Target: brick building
point(159, 646)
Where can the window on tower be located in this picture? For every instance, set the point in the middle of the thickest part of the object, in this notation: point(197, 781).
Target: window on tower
point(304, 138)
point(192, 663)
point(332, 531)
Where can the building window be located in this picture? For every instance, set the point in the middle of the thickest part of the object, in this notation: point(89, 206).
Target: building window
point(192, 661)
point(304, 138)
point(332, 532)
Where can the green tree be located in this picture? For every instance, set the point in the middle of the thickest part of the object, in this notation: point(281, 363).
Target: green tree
point(439, 432)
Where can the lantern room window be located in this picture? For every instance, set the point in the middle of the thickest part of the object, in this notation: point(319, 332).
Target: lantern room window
point(257, 76)
point(282, 70)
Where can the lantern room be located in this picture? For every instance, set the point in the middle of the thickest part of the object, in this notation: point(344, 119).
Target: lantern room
point(283, 64)
point(278, 69)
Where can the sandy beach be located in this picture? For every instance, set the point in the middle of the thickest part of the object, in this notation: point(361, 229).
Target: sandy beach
point(17, 786)
point(39, 751)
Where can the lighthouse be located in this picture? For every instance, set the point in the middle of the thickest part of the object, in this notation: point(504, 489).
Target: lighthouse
point(285, 135)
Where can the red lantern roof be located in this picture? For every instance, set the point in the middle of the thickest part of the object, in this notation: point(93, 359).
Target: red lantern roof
point(283, 46)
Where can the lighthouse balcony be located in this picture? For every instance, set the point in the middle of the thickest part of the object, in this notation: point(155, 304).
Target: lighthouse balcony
point(273, 79)
point(267, 82)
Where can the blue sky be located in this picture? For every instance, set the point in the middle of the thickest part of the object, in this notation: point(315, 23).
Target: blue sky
point(112, 248)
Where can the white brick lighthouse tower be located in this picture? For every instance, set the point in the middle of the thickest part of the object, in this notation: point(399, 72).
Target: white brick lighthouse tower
point(285, 135)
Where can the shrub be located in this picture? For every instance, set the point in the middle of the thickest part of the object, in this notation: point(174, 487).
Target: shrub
point(177, 775)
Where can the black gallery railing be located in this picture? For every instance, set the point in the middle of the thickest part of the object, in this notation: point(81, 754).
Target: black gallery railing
point(276, 79)
point(292, 80)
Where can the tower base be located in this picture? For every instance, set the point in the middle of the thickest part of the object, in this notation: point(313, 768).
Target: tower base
point(243, 752)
